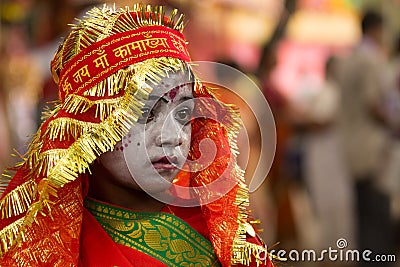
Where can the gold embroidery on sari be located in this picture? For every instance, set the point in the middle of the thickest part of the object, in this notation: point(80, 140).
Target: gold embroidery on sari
point(160, 235)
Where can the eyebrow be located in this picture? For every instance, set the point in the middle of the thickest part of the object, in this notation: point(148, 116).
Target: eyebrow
point(156, 97)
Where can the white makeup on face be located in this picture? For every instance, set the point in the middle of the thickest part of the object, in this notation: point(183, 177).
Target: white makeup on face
point(156, 148)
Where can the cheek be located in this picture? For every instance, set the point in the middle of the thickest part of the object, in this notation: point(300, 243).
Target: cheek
point(114, 163)
point(134, 148)
point(133, 140)
point(125, 143)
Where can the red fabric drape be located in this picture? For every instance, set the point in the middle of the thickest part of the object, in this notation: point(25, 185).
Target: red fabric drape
point(98, 249)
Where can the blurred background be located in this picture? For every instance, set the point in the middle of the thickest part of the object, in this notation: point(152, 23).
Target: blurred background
point(330, 71)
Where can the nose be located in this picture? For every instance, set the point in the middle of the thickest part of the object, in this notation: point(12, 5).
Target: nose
point(169, 134)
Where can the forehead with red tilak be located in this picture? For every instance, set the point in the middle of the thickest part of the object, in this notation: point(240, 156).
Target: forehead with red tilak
point(175, 86)
point(172, 94)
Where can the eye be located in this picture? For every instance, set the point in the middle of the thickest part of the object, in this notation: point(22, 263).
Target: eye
point(147, 115)
point(183, 115)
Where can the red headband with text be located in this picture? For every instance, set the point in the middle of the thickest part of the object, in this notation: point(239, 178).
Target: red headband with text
point(98, 61)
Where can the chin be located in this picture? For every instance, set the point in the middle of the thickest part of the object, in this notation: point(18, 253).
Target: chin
point(156, 184)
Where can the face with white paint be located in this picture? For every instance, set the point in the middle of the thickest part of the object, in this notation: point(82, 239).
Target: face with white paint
point(156, 148)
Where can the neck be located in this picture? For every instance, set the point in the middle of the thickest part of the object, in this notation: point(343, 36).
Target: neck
point(104, 188)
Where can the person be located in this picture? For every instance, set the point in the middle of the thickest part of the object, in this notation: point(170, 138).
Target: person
point(323, 165)
point(122, 171)
point(365, 133)
point(391, 172)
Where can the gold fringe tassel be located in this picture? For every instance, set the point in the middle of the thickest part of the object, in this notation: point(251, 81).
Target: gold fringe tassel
point(47, 160)
point(18, 200)
point(64, 128)
point(13, 234)
point(79, 104)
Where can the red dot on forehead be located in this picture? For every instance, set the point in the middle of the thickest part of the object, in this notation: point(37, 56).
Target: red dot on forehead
point(176, 91)
point(173, 93)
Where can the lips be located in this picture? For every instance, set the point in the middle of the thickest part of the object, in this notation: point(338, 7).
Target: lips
point(165, 163)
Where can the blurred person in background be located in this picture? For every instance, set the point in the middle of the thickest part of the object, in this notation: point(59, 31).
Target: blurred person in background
point(4, 134)
point(20, 87)
point(391, 175)
point(277, 190)
point(30, 33)
point(283, 221)
point(325, 173)
point(365, 134)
